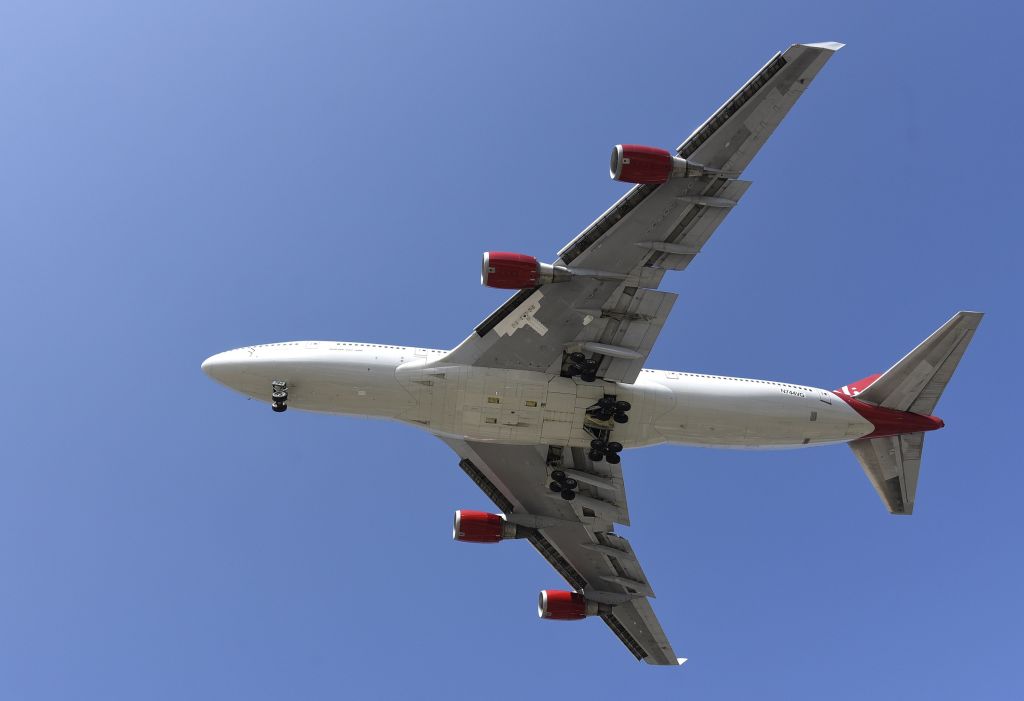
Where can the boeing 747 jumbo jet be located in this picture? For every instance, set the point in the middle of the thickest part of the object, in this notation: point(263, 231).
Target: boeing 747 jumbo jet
point(546, 392)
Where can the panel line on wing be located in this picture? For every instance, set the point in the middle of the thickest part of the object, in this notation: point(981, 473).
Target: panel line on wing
point(628, 640)
point(731, 106)
point(486, 486)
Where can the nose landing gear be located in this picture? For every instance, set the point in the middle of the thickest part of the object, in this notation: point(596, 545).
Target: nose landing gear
point(279, 395)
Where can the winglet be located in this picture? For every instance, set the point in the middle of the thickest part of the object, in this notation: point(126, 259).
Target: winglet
point(680, 660)
point(830, 45)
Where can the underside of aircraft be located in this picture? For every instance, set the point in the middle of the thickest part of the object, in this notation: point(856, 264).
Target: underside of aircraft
point(542, 397)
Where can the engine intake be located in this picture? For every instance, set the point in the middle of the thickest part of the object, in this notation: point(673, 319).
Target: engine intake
point(558, 605)
point(647, 165)
point(481, 527)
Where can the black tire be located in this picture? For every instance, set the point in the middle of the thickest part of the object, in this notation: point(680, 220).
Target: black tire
point(556, 486)
point(588, 376)
point(279, 396)
point(606, 403)
point(574, 370)
point(570, 483)
point(614, 446)
point(621, 418)
point(592, 363)
point(596, 455)
point(623, 407)
point(568, 494)
point(603, 415)
point(577, 358)
point(613, 458)
point(557, 475)
point(279, 407)
point(598, 444)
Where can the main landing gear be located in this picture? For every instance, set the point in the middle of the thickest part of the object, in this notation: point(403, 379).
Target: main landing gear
point(579, 365)
point(564, 485)
point(279, 395)
point(608, 408)
point(601, 418)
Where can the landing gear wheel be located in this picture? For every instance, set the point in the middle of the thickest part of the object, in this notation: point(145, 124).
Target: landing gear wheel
point(613, 458)
point(623, 407)
point(577, 358)
point(279, 407)
point(568, 494)
point(557, 475)
point(588, 376)
point(596, 455)
point(614, 447)
point(606, 403)
point(556, 486)
point(279, 396)
point(598, 444)
point(570, 483)
point(574, 370)
point(603, 415)
point(620, 418)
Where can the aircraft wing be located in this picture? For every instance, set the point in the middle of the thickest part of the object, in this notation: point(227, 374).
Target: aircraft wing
point(576, 536)
point(651, 229)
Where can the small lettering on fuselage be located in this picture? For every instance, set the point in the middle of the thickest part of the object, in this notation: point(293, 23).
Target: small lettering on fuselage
point(792, 392)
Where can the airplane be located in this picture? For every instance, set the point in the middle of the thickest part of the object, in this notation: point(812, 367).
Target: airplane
point(543, 396)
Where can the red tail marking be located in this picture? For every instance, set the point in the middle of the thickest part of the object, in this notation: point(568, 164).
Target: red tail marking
point(855, 388)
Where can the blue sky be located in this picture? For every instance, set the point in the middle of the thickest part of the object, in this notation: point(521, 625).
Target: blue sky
point(182, 178)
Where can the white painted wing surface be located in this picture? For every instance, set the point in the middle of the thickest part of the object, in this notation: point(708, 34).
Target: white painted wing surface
point(575, 537)
point(651, 229)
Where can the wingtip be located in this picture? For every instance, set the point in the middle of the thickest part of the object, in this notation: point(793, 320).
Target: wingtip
point(680, 661)
point(828, 45)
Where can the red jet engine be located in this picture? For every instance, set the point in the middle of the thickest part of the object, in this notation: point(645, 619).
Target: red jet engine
point(558, 605)
point(481, 527)
point(647, 165)
point(644, 165)
point(518, 271)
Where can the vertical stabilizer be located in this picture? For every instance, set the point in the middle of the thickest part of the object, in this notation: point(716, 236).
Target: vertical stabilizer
point(916, 382)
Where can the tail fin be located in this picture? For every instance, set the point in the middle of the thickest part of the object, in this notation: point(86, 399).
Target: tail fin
point(916, 382)
point(914, 385)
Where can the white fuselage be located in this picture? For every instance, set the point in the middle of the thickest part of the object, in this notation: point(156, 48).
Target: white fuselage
point(417, 387)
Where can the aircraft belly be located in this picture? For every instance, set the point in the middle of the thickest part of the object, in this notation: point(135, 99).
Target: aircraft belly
point(730, 412)
point(516, 406)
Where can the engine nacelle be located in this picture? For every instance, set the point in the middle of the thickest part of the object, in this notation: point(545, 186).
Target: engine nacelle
point(509, 271)
point(646, 165)
point(481, 527)
point(518, 271)
point(558, 605)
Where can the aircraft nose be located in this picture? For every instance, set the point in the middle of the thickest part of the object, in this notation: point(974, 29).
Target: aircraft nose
point(223, 367)
point(211, 364)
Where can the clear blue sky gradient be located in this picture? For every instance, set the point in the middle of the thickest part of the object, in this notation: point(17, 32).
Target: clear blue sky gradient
point(181, 178)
